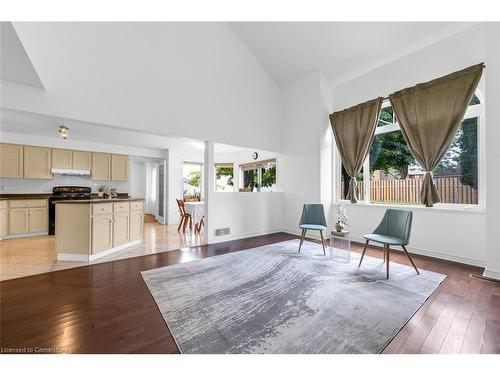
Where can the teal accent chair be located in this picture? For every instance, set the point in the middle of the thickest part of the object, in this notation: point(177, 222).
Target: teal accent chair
point(313, 218)
point(394, 229)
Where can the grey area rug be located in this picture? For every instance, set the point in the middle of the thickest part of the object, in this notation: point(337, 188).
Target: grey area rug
point(273, 300)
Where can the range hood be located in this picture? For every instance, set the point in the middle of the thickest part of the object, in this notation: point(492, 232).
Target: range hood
point(71, 172)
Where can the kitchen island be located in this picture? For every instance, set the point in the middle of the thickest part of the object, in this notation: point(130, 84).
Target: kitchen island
point(89, 229)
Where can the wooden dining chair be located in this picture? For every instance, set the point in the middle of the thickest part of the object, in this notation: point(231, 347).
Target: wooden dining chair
point(185, 217)
point(198, 226)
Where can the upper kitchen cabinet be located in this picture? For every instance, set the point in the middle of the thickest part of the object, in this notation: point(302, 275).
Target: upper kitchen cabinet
point(82, 160)
point(11, 161)
point(62, 158)
point(101, 166)
point(119, 167)
point(37, 162)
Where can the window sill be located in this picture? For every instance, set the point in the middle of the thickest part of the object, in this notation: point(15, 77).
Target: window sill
point(440, 207)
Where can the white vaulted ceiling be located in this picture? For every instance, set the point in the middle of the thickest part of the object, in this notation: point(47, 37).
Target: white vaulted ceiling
point(342, 50)
point(15, 64)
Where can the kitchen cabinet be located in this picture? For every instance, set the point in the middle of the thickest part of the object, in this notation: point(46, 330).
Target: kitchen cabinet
point(62, 158)
point(119, 167)
point(18, 220)
point(37, 162)
point(121, 227)
point(11, 161)
point(28, 216)
point(136, 225)
point(101, 166)
point(38, 220)
point(102, 232)
point(82, 160)
point(3, 219)
point(88, 231)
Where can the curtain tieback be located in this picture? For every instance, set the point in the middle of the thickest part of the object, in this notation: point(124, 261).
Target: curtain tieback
point(353, 184)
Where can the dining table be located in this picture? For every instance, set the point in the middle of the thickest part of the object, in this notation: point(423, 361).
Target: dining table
point(196, 210)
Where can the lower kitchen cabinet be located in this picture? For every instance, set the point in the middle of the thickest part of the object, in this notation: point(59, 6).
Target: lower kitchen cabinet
point(136, 225)
point(28, 216)
point(121, 228)
point(3, 219)
point(19, 220)
point(91, 231)
point(38, 219)
point(102, 233)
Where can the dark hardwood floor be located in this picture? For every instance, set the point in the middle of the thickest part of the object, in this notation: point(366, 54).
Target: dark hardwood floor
point(107, 308)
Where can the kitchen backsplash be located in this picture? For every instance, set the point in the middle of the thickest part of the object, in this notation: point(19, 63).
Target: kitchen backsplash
point(26, 185)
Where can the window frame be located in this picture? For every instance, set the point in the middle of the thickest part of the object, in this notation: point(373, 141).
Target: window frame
point(475, 110)
point(258, 166)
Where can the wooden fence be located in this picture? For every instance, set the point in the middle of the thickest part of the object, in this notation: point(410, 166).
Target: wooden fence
point(450, 189)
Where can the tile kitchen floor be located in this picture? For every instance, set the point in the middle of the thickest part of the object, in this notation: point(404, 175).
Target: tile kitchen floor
point(33, 255)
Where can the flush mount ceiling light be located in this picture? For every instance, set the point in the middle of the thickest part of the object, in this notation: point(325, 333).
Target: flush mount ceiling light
point(63, 131)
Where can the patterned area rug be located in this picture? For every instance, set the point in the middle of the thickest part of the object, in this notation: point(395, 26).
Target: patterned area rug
point(272, 299)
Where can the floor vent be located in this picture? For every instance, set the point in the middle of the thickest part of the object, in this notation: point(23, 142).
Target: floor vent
point(222, 231)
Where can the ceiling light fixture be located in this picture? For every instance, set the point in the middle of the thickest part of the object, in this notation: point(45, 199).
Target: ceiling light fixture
point(63, 131)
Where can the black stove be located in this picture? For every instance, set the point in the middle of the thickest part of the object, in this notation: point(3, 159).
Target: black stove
point(64, 193)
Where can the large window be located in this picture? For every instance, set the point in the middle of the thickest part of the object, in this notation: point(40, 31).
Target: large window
point(258, 176)
point(192, 181)
point(224, 180)
point(392, 176)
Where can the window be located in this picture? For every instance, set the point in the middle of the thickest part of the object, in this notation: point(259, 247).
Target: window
point(224, 177)
point(394, 177)
point(192, 181)
point(259, 176)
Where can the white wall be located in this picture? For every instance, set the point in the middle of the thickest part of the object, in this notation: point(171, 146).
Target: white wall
point(178, 79)
point(493, 150)
point(137, 178)
point(299, 168)
point(247, 214)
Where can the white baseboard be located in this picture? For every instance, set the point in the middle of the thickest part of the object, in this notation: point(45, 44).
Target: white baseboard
point(91, 257)
point(413, 250)
point(21, 235)
point(68, 257)
point(230, 237)
point(491, 274)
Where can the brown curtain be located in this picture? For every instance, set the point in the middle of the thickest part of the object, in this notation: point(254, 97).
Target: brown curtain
point(429, 115)
point(353, 129)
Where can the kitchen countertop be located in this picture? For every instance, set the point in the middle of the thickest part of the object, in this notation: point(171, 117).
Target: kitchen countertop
point(4, 197)
point(98, 200)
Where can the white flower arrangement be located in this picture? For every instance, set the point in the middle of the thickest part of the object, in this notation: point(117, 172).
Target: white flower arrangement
point(342, 217)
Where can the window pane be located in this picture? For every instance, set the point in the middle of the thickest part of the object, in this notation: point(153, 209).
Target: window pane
point(224, 178)
point(394, 176)
point(250, 179)
point(456, 176)
point(344, 184)
point(386, 116)
point(268, 176)
point(474, 100)
point(191, 178)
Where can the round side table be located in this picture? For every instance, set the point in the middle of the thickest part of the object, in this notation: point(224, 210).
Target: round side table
point(340, 248)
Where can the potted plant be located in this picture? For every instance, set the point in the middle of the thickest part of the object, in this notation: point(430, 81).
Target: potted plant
point(342, 217)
